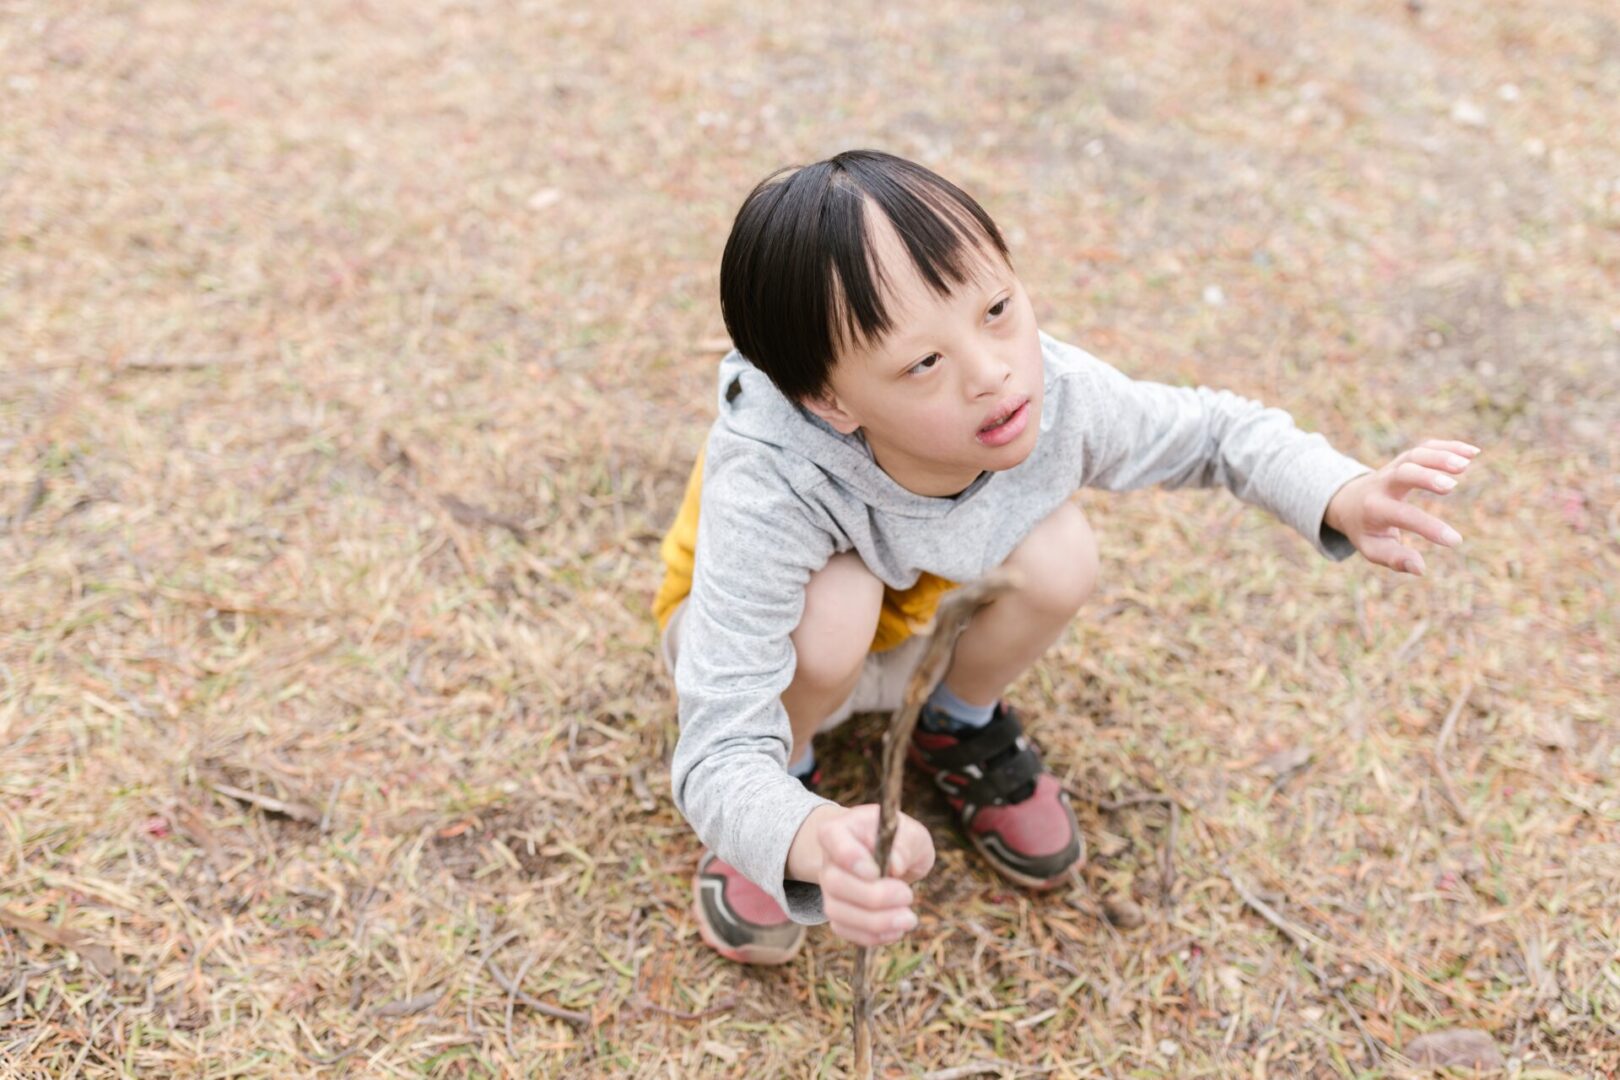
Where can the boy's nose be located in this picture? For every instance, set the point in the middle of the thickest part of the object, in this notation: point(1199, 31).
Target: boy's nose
point(987, 374)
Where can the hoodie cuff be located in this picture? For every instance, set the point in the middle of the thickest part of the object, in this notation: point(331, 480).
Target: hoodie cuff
point(763, 855)
point(1318, 476)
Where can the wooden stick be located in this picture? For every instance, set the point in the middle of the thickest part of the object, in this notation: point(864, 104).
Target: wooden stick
point(295, 810)
point(956, 610)
point(1303, 939)
point(1439, 755)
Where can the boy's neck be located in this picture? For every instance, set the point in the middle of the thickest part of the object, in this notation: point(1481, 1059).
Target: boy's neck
point(917, 478)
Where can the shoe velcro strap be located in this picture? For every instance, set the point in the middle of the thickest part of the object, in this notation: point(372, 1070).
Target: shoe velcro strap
point(995, 786)
point(980, 746)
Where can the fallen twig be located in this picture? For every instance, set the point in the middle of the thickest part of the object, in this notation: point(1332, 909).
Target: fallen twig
point(955, 611)
point(31, 501)
point(1167, 858)
point(1144, 798)
point(556, 1012)
point(1373, 1046)
point(1439, 756)
point(296, 811)
point(468, 514)
point(177, 363)
point(960, 1072)
point(725, 1004)
point(411, 1006)
point(100, 958)
point(1304, 939)
point(1005, 1068)
point(511, 997)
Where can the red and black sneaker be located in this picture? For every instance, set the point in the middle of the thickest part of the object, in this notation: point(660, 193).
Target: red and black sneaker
point(736, 918)
point(1013, 810)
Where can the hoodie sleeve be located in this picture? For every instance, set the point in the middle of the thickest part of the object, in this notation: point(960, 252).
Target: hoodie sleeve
point(1140, 434)
point(757, 545)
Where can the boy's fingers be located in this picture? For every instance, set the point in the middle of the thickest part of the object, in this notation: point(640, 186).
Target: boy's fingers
point(848, 854)
point(1438, 459)
point(917, 869)
point(1389, 552)
point(849, 917)
point(1466, 449)
point(913, 854)
point(862, 937)
point(1409, 518)
point(848, 841)
point(884, 895)
point(1410, 476)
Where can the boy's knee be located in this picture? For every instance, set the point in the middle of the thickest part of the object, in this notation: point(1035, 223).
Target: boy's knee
point(841, 606)
point(1059, 561)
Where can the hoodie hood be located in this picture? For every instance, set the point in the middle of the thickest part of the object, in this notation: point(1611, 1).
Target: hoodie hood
point(751, 407)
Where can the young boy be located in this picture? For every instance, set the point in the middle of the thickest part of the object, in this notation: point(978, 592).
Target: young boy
point(892, 423)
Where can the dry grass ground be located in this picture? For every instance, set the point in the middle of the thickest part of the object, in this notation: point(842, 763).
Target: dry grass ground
point(353, 359)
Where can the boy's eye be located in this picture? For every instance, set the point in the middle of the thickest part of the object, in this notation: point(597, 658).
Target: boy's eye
point(999, 306)
point(924, 364)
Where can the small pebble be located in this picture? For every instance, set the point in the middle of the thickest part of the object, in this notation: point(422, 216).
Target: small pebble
point(1456, 1047)
point(1123, 912)
point(1468, 114)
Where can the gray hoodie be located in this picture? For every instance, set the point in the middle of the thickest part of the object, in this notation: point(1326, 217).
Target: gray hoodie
point(783, 491)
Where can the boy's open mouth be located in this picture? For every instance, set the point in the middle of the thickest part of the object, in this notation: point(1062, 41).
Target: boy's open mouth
point(1007, 423)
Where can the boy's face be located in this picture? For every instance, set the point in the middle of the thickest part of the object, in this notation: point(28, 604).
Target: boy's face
point(929, 394)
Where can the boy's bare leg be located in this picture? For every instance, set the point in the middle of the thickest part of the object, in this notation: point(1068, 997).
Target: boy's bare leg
point(841, 605)
point(1058, 564)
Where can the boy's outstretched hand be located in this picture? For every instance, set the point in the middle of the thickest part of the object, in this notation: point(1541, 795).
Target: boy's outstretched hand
point(861, 907)
point(1372, 511)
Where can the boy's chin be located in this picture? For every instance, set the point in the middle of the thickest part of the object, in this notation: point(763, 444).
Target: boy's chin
point(1011, 460)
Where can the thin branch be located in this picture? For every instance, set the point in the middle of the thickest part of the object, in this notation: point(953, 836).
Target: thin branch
point(1304, 939)
point(411, 1006)
point(1439, 755)
point(1148, 798)
point(554, 1011)
point(294, 810)
point(956, 610)
point(1167, 857)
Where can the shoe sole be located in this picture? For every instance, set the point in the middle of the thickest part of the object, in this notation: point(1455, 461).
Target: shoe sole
point(1037, 884)
point(755, 955)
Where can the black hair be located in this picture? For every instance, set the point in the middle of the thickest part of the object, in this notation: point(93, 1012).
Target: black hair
point(799, 281)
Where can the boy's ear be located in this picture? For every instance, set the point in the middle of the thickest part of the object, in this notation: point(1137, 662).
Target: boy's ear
point(829, 409)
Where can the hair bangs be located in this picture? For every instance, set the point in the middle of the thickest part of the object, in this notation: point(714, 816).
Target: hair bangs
point(947, 236)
